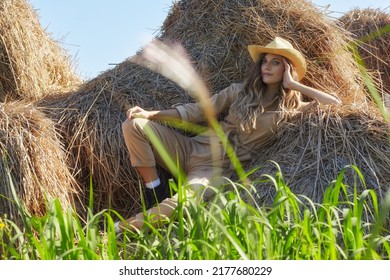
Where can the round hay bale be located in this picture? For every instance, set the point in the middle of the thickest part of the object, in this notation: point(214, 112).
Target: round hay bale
point(216, 34)
point(312, 150)
point(90, 125)
point(31, 63)
point(371, 30)
point(32, 161)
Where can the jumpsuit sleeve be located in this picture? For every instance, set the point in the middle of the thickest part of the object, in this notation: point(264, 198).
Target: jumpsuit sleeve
point(192, 112)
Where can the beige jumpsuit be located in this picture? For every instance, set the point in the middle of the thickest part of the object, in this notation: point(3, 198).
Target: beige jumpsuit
point(201, 162)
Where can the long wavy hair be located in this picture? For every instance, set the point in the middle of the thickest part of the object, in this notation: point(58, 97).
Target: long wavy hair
point(249, 103)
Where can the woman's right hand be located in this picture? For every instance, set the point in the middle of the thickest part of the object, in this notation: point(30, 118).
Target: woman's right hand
point(164, 115)
point(288, 80)
point(138, 112)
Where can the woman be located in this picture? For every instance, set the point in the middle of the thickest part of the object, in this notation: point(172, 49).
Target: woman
point(270, 93)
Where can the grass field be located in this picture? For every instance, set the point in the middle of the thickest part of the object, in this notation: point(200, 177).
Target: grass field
point(227, 228)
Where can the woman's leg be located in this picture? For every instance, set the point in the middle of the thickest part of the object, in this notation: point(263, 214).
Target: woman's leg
point(148, 173)
point(144, 156)
point(135, 141)
point(144, 153)
point(155, 215)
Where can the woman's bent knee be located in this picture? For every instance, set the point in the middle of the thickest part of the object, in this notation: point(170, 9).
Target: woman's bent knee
point(133, 124)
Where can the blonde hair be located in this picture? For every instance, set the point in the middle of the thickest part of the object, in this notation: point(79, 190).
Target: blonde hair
point(249, 103)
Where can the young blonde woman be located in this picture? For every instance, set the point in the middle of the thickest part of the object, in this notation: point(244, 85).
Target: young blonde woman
point(269, 94)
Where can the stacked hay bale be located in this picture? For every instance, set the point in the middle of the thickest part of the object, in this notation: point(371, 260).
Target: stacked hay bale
point(31, 64)
point(216, 34)
point(371, 30)
point(312, 150)
point(32, 163)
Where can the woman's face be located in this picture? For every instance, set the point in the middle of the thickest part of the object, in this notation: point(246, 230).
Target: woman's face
point(272, 69)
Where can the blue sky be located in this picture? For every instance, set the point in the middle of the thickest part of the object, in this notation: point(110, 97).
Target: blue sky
point(98, 33)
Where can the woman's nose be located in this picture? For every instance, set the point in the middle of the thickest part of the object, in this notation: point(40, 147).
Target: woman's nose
point(267, 66)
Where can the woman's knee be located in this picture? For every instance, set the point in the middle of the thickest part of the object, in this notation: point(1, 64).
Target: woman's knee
point(133, 125)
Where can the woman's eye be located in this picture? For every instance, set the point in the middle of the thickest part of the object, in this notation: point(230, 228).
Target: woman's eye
point(275, 62)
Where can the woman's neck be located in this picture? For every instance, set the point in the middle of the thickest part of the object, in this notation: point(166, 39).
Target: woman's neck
point(270, 93)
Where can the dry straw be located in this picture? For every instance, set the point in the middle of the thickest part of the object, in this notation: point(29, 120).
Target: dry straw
point(215, 34)
point(371, 29)
point(314, 148)
point(31, 63)
point(32, 161)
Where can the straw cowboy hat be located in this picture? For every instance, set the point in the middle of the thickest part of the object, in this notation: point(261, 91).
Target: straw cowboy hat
point(281, 47)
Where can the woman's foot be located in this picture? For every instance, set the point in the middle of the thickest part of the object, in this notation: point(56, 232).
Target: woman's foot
point(132, 224)
point(155, 216)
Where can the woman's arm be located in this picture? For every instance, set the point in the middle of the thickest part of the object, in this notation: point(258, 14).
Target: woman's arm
point(320, 96)
point(190, 112)
point(315, 94)
point(221, 101)
point(164, 115)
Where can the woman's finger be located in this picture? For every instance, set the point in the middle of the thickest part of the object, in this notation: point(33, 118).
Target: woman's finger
point(135, 112)
point(287, 66)
point(129, 113)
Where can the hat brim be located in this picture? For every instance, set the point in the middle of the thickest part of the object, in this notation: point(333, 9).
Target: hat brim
point(292, 55)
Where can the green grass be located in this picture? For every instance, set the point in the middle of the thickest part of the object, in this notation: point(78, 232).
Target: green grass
point(230, 227)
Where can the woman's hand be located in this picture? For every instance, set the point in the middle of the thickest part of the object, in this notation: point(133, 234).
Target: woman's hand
point(138, 112)
point(165, 115)
point(288, 79)
point(291, 84)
